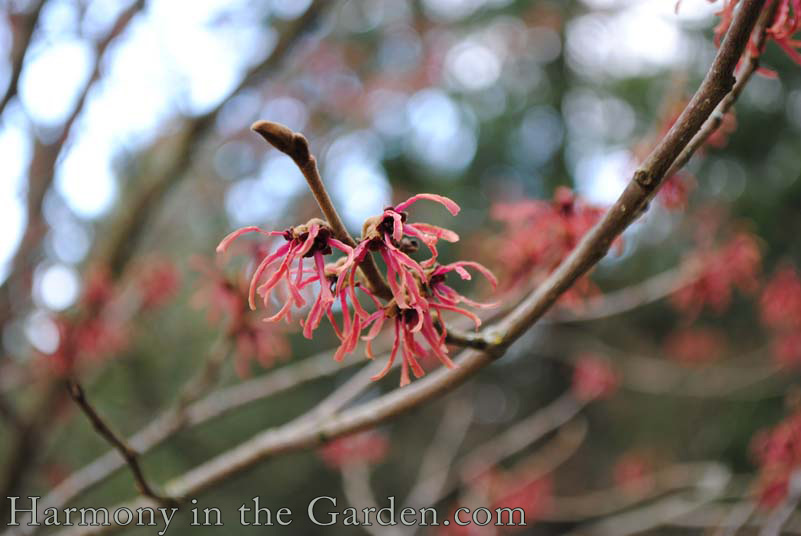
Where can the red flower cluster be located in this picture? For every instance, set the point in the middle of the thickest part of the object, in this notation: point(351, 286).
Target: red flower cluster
point(419, 291)
point(694, 346)
point(736, 264)
point(780, 308)
point(366, 447)
point(777, 452)
point(593, 378)
point(538, 235)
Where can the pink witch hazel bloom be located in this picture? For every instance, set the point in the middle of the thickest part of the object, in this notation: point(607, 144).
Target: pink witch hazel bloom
point(415, 299)
point(419, 292)
point(421, 319)
point(285, 265)
point(392, 237)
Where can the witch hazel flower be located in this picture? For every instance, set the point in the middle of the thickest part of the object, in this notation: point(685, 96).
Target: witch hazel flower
point(419, 293)
point(389, 234)
point(313, 240)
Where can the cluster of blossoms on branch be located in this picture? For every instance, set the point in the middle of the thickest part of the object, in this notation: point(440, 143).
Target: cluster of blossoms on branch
point(419, 292)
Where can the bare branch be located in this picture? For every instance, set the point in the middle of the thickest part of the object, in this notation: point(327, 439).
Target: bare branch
point(194, 414)
point(356, 485)
point(77, 394)
point(433, 473)
point(702, 483)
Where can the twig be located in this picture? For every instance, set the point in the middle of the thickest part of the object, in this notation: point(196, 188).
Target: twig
point(296, 146)
point(707, 482)
point(356, 485)
point(658, 376)
point(521, 435)
point(629, 298)
point(432, 476)
point(719, 516)
point(737, 518)
point(77, 394)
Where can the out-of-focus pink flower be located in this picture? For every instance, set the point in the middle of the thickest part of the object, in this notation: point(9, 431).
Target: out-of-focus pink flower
point(737, 264)
point(780, 303)
point(694, 346)
point(533, 495)
point(159, 281)
point(777, 452)
point(366, 447)
point(787, 348)
point(675, 191)
point(537, 235)
point(226, 301)
point(633, 473)
point(593, 378)
point(98, 288)
point(85, 338)
point(523, 489)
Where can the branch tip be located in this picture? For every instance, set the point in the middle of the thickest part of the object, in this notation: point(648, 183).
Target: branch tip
point(284, 139)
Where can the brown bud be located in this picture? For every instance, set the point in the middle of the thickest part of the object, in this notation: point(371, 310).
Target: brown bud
point(284, 139)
